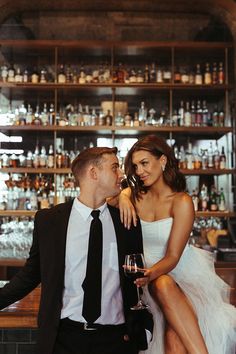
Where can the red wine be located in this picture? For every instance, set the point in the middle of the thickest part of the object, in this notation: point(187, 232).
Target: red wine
point(134, 275)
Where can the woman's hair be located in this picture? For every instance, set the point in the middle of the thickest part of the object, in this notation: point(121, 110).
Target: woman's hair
point(88, 156)
point(156, 146)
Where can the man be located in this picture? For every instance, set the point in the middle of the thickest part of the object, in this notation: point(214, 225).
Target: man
point(73, 319)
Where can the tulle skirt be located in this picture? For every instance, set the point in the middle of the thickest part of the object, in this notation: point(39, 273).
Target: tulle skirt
point(209, 296)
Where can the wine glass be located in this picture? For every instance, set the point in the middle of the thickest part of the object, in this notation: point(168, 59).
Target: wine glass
point(134, 268)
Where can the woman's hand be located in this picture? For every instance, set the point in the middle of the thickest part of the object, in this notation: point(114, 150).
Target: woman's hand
point(127, 211)
point(145, 280)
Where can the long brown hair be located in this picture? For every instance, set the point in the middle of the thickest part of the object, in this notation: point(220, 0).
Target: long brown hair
point(157, 146)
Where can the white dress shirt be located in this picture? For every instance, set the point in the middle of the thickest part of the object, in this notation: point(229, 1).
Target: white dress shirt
point(76, 262)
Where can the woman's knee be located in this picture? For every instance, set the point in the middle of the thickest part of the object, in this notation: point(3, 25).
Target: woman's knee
point(162, 287)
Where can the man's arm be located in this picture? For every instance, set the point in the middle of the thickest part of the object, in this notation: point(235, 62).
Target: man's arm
point(25, 280)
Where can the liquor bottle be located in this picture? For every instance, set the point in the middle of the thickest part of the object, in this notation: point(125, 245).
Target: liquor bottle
point(214, 74)
point(94, 117)
point(222, 205)
point(147, 74)
point(136, 120)
point(43, 157)
point(210, 156)
point(216, 157)
point(159, 76)
point(25, 76)
point(215, 117)
point(36, 158)
point(181, 114)
point(120, 73)
point(193, 114)
point(153, 73)
point(61, 77)
point(50, 159)
point(204, 158)
point(187, 116)
point(35, 76)
point(142, 114)
point(37, 119)
point(182, 158)
point(197, 161)
point(44, 115)
point(207, 75)
point(198, 75)
point(11, 74)
point(213, 199)
point(22, 115)
point(203, 198)
point(29, 159)
point(29, 115)
point(195, 200)
point(82, 75)
point(51, 116)
point(205, 114)
point(119, 120)
point(221, 118)
point(140, 77)
point(199, 114)
point(177, 76)
point(221, 74)
point(108, 118)
point(43, 75)
point(189, 157)
point(128, 120)
point(222, 159)
point(167, 75)
point(18, 76)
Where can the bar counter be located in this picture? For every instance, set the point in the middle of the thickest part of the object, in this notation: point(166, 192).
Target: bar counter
point(23, 313)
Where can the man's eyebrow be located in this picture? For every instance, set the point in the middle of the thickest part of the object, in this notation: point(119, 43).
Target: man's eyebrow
point(115, 164)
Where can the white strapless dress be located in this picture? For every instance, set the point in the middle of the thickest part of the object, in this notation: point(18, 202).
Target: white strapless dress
point(196, 276)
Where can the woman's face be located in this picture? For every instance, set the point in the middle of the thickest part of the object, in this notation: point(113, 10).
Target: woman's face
point(147, 167)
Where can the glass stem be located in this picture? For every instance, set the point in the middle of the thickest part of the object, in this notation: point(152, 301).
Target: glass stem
point(138, 293)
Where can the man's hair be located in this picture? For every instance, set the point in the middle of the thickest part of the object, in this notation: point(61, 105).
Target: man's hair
point(89, 156)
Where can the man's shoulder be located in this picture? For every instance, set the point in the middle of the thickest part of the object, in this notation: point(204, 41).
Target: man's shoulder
point(59, 208)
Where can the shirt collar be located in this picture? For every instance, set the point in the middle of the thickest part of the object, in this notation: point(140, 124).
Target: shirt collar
point(85, 211)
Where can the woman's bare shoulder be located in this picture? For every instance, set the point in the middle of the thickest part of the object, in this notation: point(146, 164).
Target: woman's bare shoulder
point(182, 203)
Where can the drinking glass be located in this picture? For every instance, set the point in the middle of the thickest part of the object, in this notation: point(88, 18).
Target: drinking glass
point(134, 268)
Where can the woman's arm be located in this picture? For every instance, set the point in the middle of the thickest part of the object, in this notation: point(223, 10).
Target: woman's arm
point(183, 214)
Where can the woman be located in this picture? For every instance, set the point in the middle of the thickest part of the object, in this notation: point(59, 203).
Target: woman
point(188, 300)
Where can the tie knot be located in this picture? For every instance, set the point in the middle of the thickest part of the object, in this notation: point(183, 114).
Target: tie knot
point(95, 214)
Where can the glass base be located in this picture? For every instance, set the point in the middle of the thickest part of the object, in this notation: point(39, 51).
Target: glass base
point(139, 306)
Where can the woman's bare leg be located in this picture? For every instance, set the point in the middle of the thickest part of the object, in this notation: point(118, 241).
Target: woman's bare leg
point(173, 344)
point(178, 313)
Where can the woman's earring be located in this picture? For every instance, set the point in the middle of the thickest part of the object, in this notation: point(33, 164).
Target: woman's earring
point(163, 167)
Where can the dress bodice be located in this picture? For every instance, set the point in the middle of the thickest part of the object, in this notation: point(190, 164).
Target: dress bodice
point(155, 237)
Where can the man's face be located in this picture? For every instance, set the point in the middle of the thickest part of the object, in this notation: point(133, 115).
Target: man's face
point(109, 175)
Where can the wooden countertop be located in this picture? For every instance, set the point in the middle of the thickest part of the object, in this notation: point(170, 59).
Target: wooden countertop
point(23, 313)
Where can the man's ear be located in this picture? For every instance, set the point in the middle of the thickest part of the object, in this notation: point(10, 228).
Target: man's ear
point(92, 171)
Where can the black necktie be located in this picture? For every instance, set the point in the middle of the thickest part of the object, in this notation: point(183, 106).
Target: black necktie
point(92, 283)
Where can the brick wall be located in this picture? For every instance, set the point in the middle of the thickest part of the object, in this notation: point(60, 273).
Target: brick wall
point(17, 341)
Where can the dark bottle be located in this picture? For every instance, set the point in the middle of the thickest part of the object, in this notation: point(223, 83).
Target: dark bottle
point(222, 159)
point(214, 74)
point(221, 118)
point(213, 199)
point(199, 114)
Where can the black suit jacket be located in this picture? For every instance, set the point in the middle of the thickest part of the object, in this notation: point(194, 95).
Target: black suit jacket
point(46, 265)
